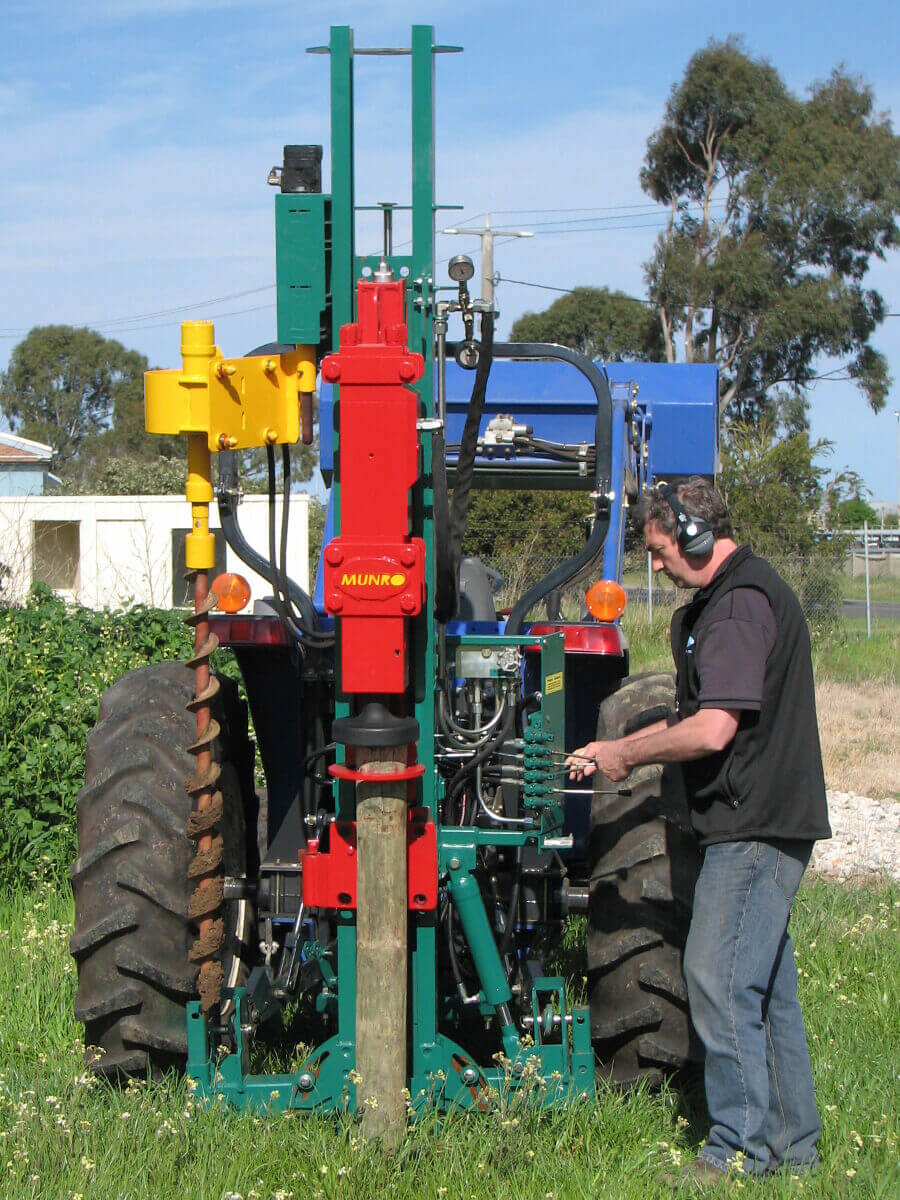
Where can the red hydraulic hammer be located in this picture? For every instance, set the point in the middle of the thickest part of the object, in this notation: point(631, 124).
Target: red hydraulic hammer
point(374, 571)
point(374, 584)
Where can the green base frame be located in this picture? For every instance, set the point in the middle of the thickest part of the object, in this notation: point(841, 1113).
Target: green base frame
point(544, 1072)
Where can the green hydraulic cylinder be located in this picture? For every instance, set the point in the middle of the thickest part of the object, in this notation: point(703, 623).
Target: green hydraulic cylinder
point(466, 896)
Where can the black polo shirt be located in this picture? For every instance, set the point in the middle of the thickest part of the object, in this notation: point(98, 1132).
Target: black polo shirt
point(731, 659)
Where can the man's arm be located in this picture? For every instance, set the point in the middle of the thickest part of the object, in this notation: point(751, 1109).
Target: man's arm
point(588, 750)
point(709, 730)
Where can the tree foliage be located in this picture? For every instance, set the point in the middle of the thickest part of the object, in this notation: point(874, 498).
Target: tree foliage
point(597, 323)
point(125, 476)
point(773, 486)
point(82, 394)
point(547, 524)
point(777, 207)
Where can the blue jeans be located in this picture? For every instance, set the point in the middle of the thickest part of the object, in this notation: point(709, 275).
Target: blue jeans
point(742, 987)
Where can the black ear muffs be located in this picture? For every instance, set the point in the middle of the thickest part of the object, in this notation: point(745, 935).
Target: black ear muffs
point(693, 534)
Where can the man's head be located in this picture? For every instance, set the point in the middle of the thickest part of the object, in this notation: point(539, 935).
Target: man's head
point(658, 519)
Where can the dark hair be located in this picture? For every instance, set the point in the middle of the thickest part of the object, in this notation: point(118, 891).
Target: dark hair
point(697, 497)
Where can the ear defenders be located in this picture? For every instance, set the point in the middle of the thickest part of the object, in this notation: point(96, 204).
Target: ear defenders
point(694, 535)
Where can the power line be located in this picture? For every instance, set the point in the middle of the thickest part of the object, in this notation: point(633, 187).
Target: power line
point(651, 204)
point(109, 322)
point(217, 316)
point(544, 286)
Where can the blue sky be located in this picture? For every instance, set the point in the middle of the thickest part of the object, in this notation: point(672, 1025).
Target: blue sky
point(136, 135)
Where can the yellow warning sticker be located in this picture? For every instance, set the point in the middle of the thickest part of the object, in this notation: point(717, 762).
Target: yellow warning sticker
point(553, 683)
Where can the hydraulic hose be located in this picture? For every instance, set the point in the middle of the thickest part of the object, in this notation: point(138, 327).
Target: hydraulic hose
point(568, 570)
point(570, 567)
point(445, 569)
point(447, 582)
point(226, 494)
point(561, 575)
point(484, 751)
point(303, 636)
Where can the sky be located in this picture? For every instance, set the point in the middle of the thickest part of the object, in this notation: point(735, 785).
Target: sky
point(136, 136)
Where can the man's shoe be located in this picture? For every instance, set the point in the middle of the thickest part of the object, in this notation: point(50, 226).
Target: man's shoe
point(696, 1176)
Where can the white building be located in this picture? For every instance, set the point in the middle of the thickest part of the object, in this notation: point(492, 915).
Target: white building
point(25, 467)
point(111, 551)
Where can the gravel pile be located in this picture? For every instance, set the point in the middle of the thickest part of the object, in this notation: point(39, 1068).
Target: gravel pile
point(866, 838)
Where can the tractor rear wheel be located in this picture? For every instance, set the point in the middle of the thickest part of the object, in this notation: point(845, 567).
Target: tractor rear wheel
point(644, 862)
point(130, 880)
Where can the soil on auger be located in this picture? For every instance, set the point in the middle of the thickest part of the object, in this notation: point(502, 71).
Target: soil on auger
point(132, 933)
point(644, 862)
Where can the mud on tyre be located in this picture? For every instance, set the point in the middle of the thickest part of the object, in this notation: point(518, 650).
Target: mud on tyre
point(130, 880)
point(644, 863)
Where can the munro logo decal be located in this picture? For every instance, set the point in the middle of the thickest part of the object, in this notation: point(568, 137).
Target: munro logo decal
point(378, 579)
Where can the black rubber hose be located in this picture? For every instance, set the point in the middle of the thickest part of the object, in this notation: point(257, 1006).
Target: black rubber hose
point(484, 751)
point(280, 604)
point(512, 914)
point(225, 495)
point(559, 576)
point(570, 567)
point(446, 585)
point(468, 446)
point(303, 637)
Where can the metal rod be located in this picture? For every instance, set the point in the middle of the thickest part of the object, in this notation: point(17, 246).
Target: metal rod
point(866, 560)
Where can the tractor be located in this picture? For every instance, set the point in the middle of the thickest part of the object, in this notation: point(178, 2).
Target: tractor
point(400, 884)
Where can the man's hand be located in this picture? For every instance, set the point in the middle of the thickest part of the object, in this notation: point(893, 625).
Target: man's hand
point(609, 757)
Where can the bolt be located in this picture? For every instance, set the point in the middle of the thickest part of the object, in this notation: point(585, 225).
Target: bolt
point(408, 556)
point(269, 366)
point(331, 370)
point(335, 601)
point(407, 369)
point(453, 864)
point(469, 1076)
point(225, 442)
point(306, 1082)
point(408, 602)
point(271, 436)
point(224, 370)
point(334, 555)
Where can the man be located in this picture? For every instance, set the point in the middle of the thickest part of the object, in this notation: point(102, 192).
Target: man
point(745, 730)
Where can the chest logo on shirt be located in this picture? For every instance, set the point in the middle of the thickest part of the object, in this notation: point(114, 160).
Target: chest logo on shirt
point(689, 645)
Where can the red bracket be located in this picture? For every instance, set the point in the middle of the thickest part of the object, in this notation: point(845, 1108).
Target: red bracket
point(340, 771)
point(329, 873)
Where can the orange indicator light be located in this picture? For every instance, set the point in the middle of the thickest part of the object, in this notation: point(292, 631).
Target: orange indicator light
point(231, 591)
point(605, 600)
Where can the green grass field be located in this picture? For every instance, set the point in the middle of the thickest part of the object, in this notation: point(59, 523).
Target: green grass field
point(844, 654)
point(66, 1136)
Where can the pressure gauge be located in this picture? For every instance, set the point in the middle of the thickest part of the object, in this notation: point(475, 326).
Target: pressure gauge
point(460, 268)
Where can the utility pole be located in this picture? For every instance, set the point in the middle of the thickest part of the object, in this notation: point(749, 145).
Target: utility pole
point(487, 235)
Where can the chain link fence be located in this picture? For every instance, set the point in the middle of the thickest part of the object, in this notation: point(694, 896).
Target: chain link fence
point(839, 582)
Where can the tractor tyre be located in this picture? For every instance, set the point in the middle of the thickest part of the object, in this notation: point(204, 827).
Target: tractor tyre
point(130, 880)
point(644, 861)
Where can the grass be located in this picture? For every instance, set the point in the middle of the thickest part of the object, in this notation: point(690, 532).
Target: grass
point(859, 729)
point(849, 656)
point(843, 654)
point(881, 590)
point(64, 1135)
